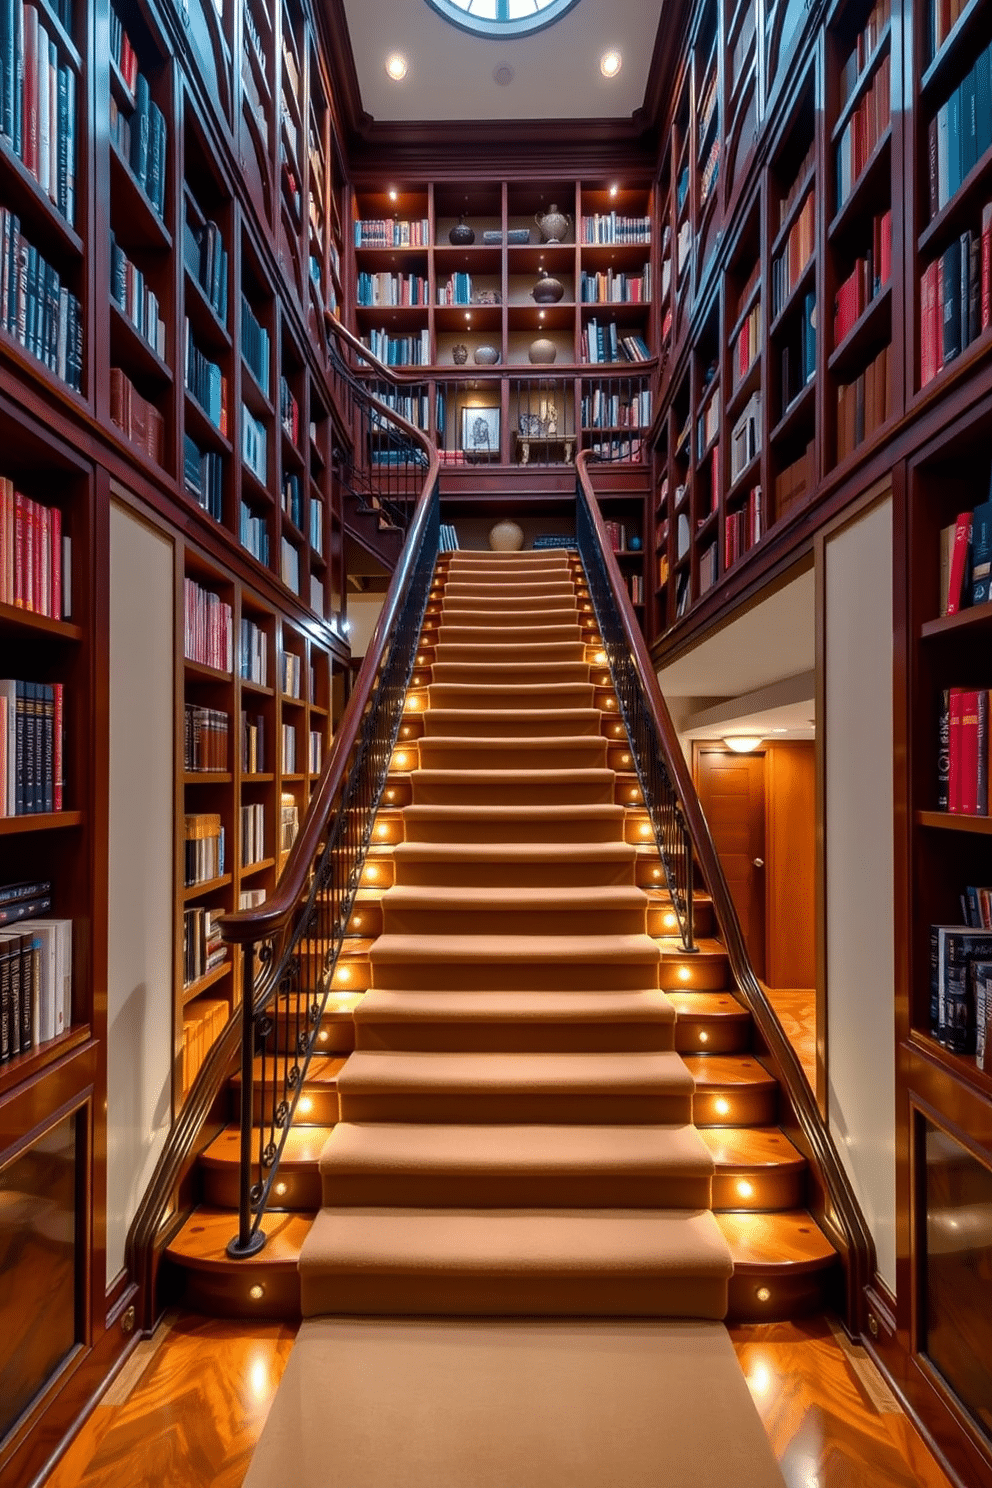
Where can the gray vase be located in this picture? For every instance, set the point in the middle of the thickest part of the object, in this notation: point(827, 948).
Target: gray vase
point(547, 290)
point(485, 356)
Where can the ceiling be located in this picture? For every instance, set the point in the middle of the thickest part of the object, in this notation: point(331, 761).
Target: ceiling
point(555, 71)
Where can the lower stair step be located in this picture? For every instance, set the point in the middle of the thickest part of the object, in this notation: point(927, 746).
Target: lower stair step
point(562, 865)
point(611, 909)
point(511, 1263)
point(533, 723)
point(318, 1102)
point(515, 1022)
point(732, 1090)
point(510, 787)
point(535, 823)
point(710, 1023)
point(515, 1167)
point(757, 1168)
point(203, 1278)
point(297, 1183)
point(784, 1266)
point(510, 963)
point(615, 1089)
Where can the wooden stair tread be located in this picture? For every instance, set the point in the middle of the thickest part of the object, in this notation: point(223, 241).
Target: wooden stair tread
point(788, 1241)
point(707, 1005)
point(304, 1145)
point(202, 1242)
point(323, 1070)
point(727, 1071)
point(672, 949)
point(749, 1148)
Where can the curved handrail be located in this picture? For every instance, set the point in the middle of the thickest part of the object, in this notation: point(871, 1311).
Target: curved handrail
point(844, 1215)
point(272, 924)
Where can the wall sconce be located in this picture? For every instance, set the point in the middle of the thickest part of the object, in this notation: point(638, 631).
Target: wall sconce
point(743, 743)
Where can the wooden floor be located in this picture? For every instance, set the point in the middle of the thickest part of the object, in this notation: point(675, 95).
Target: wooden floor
point(796, 1010)
point(190, 1404)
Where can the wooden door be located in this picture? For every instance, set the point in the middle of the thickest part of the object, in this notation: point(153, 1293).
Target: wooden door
point(732, 793)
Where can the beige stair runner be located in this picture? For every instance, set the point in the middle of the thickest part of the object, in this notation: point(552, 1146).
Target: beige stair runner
point(515, 1134)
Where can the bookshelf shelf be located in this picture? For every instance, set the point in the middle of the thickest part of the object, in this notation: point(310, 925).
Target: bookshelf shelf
point(863, 190)
point(865, 76)
point(258, 778)
point(977, 618)
point(800, 410)
point(145, 225)
point(204, 983)
point(944, 224)
point(201, 890)
point(946, 821)
point(263, 863)
point(23, 194)
point(35, 1061)
point(207, 777)
point(958, 1066)
point(938, 72)
point(26, 623)
point(872, 329)
point(129, 347)
point(40, 821)
point(196, 669)
point(202, 427)
point(211, 332)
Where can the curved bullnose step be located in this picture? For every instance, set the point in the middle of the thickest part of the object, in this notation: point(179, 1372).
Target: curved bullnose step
point(583, 1089)
point(516, 1167)
point(784, 1266)
point(515, 1263)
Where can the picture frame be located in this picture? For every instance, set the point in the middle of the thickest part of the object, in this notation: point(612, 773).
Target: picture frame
point(480, 433)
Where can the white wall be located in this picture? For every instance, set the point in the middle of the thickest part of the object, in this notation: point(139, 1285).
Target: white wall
point(856, 736)
point(140, 994)
point(363, 615)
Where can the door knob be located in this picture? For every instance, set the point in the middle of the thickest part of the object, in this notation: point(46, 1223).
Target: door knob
point(758, 862)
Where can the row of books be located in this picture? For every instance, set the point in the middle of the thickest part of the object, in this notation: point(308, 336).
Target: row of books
point(797, 185)
point(794, 482)
point(35, 555)
point(628, 451)
point(292, 499)
point(204, 380)
point(615, 287)
point(317, 526)
point(203, 476)
point(941, 18)
point(203, 1023)
point(710, 173)
point(31, 747)
point(707, 106)
point(743, 528)
point(253, 533)
point(863, 49)
point(966, 560)
point(255, 346)
point(748, 344)
point(203, 949)
point(289, 411)
point(400, 351)
point(142, 140)
point(604, 409)
point(252, 819)
point(136, 298)
point(208, 625)
point(618, 535)
point(38, 102)
point(253, 653)
point(960, 133)
point(24, 900)
point(203, 847)
point(708, 569)
point(205, 738)
point(415, 407)
point(315, 752)
point(35, 984)
point(863, 130)
point(389, 232)
point(37, 309)
point(289, 821)
point(615, 227)
point(289, 749)
point(447, 538)
point(963, 752)
point(207, 261)
point(866, 280)
point(798, 357)
point(252, 743)
point(605, 343)
point(745, 437)
point(956, 298)
point(961, 990)
point(254, 444)
point(457, 290)
point(290, 674)
point(635, 587)
point(289, 565)
point(790, 264)
point(863, 405)
point(137, 417)
point(707, 426)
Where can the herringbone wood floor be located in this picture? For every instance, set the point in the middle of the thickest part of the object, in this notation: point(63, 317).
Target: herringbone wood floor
point(190, 1405)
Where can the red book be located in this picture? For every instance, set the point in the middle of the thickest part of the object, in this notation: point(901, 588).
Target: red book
point(885, 248)
point(968, 772)
point(56, 609)
point(954, 749)
point(982, 762)
point(20, 552)
point(959, 562)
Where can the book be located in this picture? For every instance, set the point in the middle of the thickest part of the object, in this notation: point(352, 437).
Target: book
point(958, 948)
point(957, 585)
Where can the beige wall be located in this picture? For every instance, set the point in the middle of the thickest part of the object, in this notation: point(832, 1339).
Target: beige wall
point(140, 983)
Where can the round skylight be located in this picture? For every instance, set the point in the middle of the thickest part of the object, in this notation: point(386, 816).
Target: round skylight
point(501, 17)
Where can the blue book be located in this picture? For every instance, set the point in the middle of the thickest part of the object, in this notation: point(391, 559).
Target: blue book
point(981, 553)
point(139, 130)
point(983, 103)
point(955, 142)
point(969, 123)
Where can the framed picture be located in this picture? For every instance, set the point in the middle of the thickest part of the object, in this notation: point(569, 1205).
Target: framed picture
point(480, 432)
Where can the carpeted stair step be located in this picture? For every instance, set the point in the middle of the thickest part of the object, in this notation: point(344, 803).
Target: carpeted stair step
point(514, 864)
point(509, 963)
point(297, 1186)
point(515, 593)
point(732, 1090)
point(513, 823)
point(462, 787)
point(492, 1262)
point(498, 652)
point(556, 753)
point(512, 722)
point(460, 618)
point(508, 673)
point(624, 1089)
point(514, 695)
point(614, 909)
point(515, 1022)
point(481, 633)
point(515, 1167)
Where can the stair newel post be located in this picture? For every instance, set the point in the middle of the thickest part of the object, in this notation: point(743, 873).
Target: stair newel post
point(246, 1243)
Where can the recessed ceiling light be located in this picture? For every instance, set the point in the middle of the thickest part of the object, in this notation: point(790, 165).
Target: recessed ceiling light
point(503, 74)
point(396, 66)
point(614, 189)
point(393, 195)
point(610, 64)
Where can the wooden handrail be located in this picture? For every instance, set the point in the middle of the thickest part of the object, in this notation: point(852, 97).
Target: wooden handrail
point(843, 1216)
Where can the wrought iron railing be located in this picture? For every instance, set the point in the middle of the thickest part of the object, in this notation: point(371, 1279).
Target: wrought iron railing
point(638, 708)
point(686, 848)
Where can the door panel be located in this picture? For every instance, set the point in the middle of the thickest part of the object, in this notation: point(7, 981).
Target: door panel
point(731, 790)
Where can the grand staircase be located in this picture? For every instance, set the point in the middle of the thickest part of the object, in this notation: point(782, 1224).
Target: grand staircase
point(528, 1097)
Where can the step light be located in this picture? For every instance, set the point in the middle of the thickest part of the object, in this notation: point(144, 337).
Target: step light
point(721, 1106)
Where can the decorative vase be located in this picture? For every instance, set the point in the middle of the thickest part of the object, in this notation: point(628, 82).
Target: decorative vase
point(553, 224)
point(506, 537)
point(485, 356)
point(542, 351)
point(459, 355)
point(547, 290)
point(461, 233)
